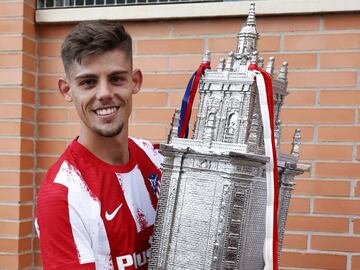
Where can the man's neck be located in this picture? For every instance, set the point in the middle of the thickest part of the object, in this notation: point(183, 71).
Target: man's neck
point(112, 150)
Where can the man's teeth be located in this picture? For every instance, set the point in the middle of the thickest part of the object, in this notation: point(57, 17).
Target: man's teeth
point(106, 111)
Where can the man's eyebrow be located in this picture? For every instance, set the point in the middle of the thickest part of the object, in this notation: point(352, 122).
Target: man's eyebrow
point(86, 75)
point(118, 72)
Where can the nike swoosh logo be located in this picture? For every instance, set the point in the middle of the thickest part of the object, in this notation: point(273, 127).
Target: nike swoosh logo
point(112, 215)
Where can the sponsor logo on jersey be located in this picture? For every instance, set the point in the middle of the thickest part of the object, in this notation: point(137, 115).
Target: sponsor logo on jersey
point(135, 260)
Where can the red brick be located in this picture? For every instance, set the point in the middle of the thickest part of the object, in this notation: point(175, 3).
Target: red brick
point(340, 60)
point(151, 63)
point(11, 61)
point(312, 260)
point(149, 29)
point(337, 206)
point(50, 147)
point(317, 224)
point(54, 31)
point(11, 26)
point(45, 162)
point(16, 261)
point(52, 115)
point(53, 65)
point(166, 46)
point(299, 205)
point(307, 133)
point(342, 170)
point(37, 259)
point(154, 133)
point(325, 152)
point(16, 194)
point(322, 42)
point(266, 43)
point(60, 131)
point(335, 243)
point(342, 97)
point(355, 262)
point(358, 152)
point(53, 99)
point(15, 178)
point(357, 189)
point(16, 228)
point(186, 63)
point(29, 29)
point(342, 21)
point(49, 48)
point(29, 46)
point(153, 115)
point(15, 212)
point(15, 245)
point(150, 99)
point(166, 81)
point(339, 134)
point(290, 115)
point(300, 98)
point(11, 9)
point(11, 43)
point(356, 223)
point(322, 79)
point(29, 62)
point(48, 82)
point(287, 23)
point(298, 241)
point(206, 26)
point(11, 77)
point(322, 187)
point(298, 61)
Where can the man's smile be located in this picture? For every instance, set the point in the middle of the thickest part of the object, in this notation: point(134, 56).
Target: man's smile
point(106, 111)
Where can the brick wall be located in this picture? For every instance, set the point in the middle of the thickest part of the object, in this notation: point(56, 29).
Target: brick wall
point(323, 51)
point(17, 131)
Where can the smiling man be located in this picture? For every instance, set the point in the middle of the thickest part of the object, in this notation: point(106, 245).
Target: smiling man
point(96, 206)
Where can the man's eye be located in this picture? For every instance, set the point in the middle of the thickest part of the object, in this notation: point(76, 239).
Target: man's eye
point(117, 79)
point(87, 82)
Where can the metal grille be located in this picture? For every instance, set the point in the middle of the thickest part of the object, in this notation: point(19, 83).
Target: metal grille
point(44, 4)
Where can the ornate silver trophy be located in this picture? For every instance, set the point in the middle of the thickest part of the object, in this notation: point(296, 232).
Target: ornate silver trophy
point(211, 210)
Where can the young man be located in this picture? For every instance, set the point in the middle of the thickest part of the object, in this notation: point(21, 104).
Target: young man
point(96, 206)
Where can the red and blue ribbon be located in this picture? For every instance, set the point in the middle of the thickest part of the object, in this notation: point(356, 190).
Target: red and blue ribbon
point(188, 100)
point(275, 185)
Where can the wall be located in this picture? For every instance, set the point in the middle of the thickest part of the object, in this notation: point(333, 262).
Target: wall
point(323, 229)
point(17, 131)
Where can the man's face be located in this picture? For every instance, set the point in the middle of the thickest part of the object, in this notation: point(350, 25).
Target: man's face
point(101, 88)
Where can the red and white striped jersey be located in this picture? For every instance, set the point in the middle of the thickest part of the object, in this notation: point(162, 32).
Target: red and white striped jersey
point(93, 215)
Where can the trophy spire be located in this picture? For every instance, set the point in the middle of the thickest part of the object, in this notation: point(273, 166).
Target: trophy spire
point(248, 36)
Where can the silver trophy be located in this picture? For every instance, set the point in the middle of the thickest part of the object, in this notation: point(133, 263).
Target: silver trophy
point(212, 205)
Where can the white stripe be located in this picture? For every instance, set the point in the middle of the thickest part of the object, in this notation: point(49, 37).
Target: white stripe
point(137, 198)
point(152, 153)
point(86, 223)
point(268, 244)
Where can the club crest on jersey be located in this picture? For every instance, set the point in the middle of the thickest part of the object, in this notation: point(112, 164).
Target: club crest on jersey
point(154, 183)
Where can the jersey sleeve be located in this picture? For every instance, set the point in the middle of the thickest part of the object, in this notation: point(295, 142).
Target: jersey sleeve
point(152, 151)
point(59, 250)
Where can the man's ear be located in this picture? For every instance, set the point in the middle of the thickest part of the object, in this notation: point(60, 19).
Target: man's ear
point(64, 89)
point(137, 79)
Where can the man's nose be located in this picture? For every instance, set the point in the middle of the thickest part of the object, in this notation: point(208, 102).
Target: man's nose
point(104, 91)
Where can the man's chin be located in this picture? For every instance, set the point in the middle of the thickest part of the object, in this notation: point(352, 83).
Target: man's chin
point(109, 133)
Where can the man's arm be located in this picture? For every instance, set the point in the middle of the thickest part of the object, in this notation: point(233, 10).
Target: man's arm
point(56, 230)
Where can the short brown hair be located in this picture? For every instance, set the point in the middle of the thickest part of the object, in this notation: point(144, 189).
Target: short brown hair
point(94, 38)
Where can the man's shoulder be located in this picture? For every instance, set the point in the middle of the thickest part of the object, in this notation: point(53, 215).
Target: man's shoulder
point(152, 152)
point(53, 170)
